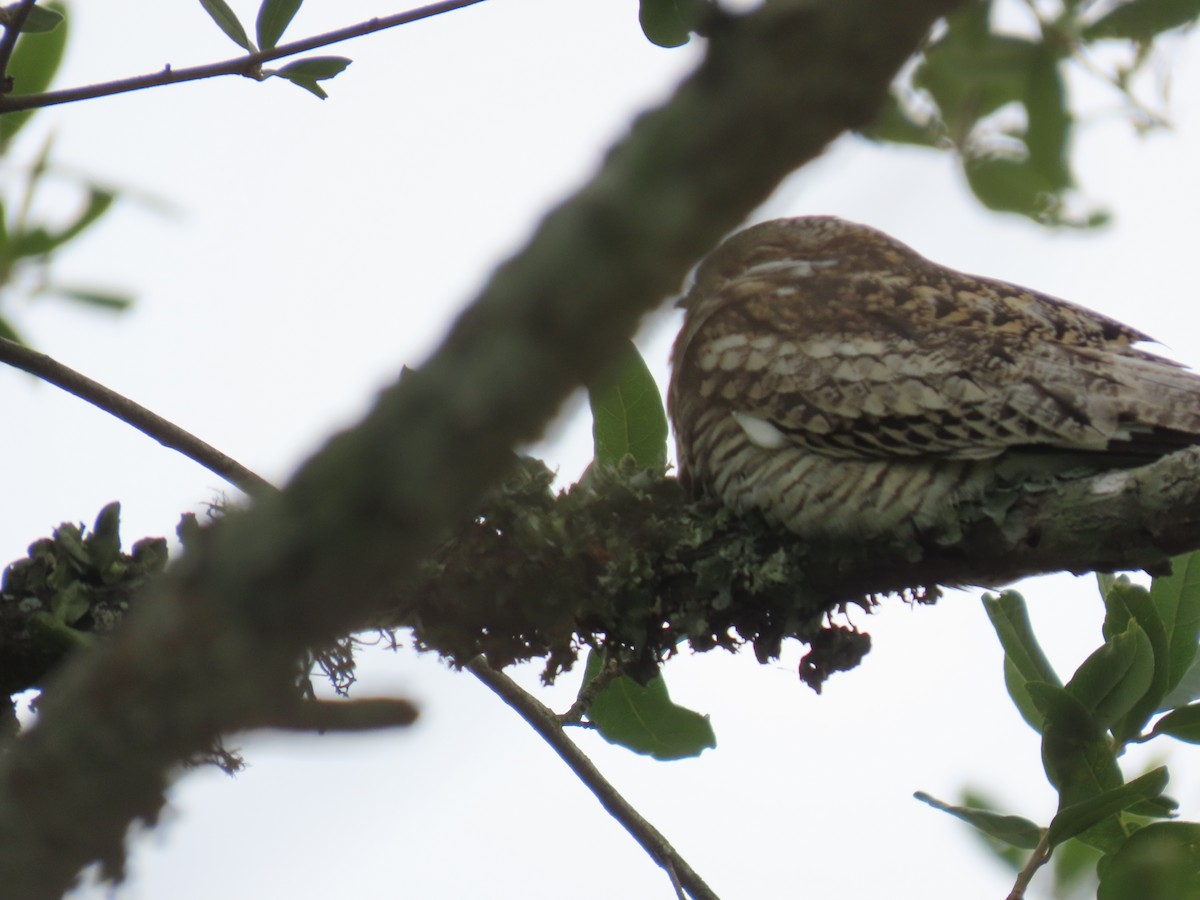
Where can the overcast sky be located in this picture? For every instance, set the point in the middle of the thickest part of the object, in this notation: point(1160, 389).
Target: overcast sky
point(309, 249)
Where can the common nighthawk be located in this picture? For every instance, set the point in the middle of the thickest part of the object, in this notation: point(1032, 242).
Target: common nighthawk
point(832, 378)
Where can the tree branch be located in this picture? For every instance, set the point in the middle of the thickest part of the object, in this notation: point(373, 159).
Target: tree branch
point(543, 720)
point(8, 41)
point(214, 645)
point(150, 424)
point(249, 65)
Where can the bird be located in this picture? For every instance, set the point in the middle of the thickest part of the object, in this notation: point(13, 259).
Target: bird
point(833, 380)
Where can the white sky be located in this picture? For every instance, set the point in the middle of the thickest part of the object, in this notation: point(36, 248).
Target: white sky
point(315, 248)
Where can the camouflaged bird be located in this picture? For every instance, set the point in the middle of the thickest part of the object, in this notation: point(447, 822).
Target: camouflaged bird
point(832, 378)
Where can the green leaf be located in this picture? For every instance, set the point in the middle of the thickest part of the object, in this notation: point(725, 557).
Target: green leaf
point(1024, 660)
point(1018, 690)
point(1073, 820)
point(1125, 604)
point(228, 22)
point(1014, 830)
point(34, 62)
point(1177, 598)
point(1078, 759)
point(1182, 724)
point(1158, 862)
point(274, 16)
point(1186, 691)
point(318, 68)
point(307, 72)
point(1010, 619)
point(627, 414)
point(39, 20)
point(668, 23)
point(643, 718)
point(1116, 676)
point(1142, 20)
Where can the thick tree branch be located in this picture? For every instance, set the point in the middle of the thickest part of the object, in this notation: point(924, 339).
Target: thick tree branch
point(249, 65)
point(150, 424)
point(214, 646)
point(543, 720)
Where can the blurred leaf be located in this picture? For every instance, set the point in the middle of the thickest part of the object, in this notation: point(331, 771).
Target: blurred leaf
point(971, 73)
point(627, 413)
point(1014, 830)
point(1142, 20)
point(668, 23)
point(39, 241)
point(307, 72)
point(1161, 807)
point(34, 62)
point(1186, 691)
point(39, 20)
point(1105, 581)
point(1073, 866)
point(1077, 818)
point(228, 22)
point(274, 16)
point(1158, 862)
point(893, 125)
point(1033, 186)
point(1116, 676)
point(643, 718)
point(102, 299)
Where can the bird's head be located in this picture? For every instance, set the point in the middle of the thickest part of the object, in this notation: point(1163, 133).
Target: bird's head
point(790, 250)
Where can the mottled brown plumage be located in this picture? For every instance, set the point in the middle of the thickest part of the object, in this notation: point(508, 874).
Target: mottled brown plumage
point(834, 379)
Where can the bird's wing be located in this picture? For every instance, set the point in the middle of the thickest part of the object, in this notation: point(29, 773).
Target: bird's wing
point(948, 392)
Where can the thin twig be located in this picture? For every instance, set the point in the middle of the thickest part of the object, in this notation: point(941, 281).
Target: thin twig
point(1038, 858)
point(544, 721)
point(605, 677)
point(8, 42)
point(248, 65)
point(166, 433)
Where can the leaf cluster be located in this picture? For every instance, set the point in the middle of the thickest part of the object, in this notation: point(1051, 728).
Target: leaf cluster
point(272, 21)
point(1143, 673)
point(999, 100)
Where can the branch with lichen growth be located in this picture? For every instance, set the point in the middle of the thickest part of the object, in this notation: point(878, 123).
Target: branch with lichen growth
point(624, 562)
